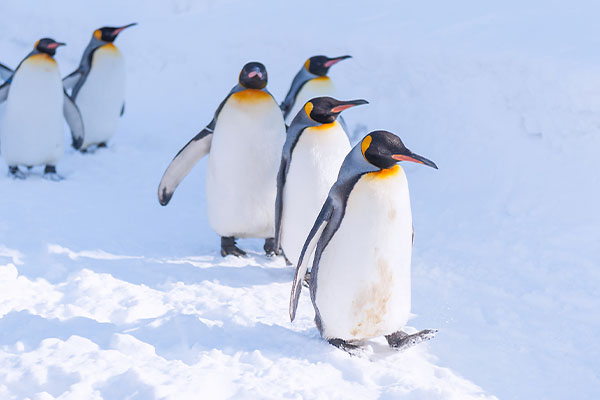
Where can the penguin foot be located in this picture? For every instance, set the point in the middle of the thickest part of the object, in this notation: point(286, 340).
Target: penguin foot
point(15, 173)
point(306, 280)
point(269, 247)
point(102, 145)
point(402, 340)
point(51, 175)
point(342, 344)
point(228, 247)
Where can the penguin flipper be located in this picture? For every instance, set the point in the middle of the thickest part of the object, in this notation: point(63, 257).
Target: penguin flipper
point(4, 91)
point(5, 72)
point(183, 162)
point(73, 117)
point(71, 80)
point(309, 247)
point(281, 175)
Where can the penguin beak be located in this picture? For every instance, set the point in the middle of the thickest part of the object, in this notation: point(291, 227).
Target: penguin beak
point(414, 158)
point(347, 104)
point(119, 30)
point(55, 45)
point(252, 74)
point(336, 60)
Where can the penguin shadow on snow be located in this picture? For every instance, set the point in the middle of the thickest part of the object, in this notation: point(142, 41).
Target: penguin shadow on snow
point(253, 270)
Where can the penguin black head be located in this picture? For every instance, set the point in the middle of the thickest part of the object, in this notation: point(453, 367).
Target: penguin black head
point(48, 46)
point(109, 33)
point(383, 149)
point(319, 65)
point(253, 76)
point(326, 109)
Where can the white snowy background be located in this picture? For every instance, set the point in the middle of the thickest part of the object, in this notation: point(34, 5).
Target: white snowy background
point(106, 294)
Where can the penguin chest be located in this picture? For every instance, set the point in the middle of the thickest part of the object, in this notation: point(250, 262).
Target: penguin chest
point(32, 127)
point(321, 86)
point(314, 167)
point(363, 278)
point(241, 182)
point(102, 94)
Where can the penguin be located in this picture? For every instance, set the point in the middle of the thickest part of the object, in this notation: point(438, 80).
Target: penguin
point(98, 86)
point(315, 147)
point(32, 128)
point(311, 81)
point(362, 244)
point(245, 139)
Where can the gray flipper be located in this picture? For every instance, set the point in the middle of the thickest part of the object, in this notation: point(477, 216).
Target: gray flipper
point(189, 155)
point(4, 91)
point(300, 79)
point(309, 246)
point(5, 72)
point(73, 117)
point(71, 80)
point(182, 164)
point(298, 125)
point(122, 109)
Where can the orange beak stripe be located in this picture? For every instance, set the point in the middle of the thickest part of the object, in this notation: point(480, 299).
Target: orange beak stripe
point(402, 157)
point(341, 108)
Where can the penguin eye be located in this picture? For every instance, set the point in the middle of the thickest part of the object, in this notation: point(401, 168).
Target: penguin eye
point(365, 145)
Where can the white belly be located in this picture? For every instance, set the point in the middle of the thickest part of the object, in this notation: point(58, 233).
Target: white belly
point(241, 178)
point(317, 87)
point(32, 128)
point(363, 281)
point(102, 95)
point(314, 168)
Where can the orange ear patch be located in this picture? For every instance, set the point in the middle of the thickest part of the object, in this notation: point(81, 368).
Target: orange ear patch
point(98, 34)
point(365, 145)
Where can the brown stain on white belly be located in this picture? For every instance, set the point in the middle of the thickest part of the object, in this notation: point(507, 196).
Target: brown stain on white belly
point(370, 304)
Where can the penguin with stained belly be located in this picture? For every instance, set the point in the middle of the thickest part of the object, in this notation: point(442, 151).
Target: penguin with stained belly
point(362, 243)
point(31, 132)
point(311, 81)
point(315, 148)
point(98, 86)
point(244, 139)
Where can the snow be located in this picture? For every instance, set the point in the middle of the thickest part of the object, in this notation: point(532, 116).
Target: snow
point(106, 294)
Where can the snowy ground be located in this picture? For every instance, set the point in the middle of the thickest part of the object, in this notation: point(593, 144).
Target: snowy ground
point(105, 294)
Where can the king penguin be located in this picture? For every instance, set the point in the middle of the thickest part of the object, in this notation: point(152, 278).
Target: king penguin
point(245, 139)
point(32, 128)
point(362, 244)
point(313, 152)
point(311, 81)
point(98, 86)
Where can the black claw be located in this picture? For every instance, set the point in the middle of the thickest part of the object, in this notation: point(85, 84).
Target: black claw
point(15, 172)
point(269, 247)
point(401, 340)
point(228, 247)
point(343, 345)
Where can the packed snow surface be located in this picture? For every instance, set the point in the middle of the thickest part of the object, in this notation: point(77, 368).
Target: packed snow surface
point(106, 294)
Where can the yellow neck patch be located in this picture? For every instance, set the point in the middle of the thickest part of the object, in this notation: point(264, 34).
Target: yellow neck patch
point(324, 126)
point(251, 96)
point(42, 58)
point(321, 79)
point(385, 173)
point(109, 47)
point(365, 145)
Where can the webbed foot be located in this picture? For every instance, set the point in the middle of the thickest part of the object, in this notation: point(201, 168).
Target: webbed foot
point(269, 247)
point(228, 247)
point(15, 173)
point(402, 340)
point(50, 174)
